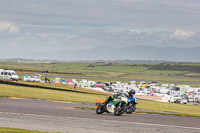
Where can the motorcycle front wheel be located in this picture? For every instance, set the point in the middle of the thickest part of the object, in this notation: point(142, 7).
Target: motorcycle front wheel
point(131, 107)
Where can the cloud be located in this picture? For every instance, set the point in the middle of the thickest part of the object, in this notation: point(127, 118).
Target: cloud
point(71, 37)
point(50, 25)
point(141, 32)
point(8, 28)
point(182, 34)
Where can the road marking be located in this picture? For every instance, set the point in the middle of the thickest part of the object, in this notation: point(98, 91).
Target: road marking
point(14, 98)
point(139, 123)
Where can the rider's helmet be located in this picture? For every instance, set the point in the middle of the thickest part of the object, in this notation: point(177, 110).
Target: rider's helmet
point(131, 92)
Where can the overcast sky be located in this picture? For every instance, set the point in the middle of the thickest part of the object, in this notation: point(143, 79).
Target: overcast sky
point(53, 25)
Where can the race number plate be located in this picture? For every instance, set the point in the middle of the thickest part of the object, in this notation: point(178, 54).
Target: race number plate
point(110, 104)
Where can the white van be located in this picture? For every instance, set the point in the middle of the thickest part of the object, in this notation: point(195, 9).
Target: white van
point(8, 74)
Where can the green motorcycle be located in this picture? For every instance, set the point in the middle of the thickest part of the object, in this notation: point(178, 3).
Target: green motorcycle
point(116, 106)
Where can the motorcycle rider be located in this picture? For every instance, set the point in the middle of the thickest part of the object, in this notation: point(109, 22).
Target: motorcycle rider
point(129, 93)
point(125, 94)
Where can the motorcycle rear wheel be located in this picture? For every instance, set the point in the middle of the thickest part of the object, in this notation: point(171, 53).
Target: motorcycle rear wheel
point(120, 109)
point(100, 109)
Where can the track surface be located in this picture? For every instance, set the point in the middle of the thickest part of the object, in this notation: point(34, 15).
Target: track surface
point(63, 117)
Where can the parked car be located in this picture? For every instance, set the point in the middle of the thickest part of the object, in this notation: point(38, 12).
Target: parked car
point(32, 78)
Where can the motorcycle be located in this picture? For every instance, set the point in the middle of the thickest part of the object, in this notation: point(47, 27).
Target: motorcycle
point(131, 105)
point(116, 106)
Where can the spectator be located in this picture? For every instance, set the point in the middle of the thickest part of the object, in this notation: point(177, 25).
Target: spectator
point(75, 86)
point(46, 79)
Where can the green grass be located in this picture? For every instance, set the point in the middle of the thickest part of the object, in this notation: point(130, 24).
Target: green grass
point(120, 69)
point(164, 72)
point(169, 78)
point(107, 70)
point(16, 130)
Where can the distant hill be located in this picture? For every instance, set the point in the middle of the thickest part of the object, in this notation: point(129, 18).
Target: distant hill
point(127, 53)
point(131, 53)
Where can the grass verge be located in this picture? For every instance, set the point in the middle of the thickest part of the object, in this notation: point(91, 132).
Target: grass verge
point(16, 130)
point(60, 86)
point(37, 93)
point(170, 108)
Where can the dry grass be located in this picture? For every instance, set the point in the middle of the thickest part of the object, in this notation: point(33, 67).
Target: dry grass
point(37, 93)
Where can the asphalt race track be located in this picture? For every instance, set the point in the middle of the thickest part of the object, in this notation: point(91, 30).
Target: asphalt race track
point(64, 117)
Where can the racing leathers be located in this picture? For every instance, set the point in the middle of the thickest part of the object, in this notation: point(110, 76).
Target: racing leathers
point(115, 96)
